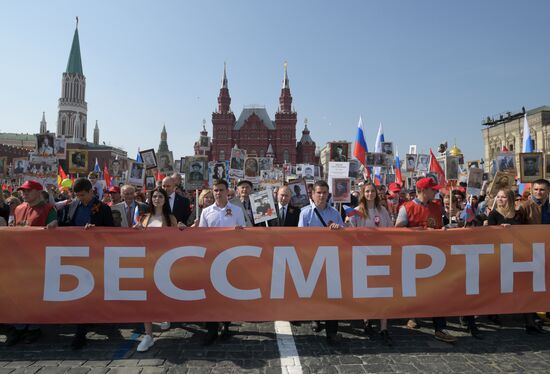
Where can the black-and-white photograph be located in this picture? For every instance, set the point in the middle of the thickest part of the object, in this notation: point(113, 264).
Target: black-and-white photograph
point(165, 162)
point(300, 197)
point(42, 166)
point(308, 172)
point(531, 166)
point(149, 158)
point(20, 165)
point(387, 148)
point(251, 167)
point(196, 171)
point(219, 171)
point(473, 164)
point(137, 172)
point(78, 161)
point(266, 163)
point(389, 178)
point(60, 146)
point(506, 162)
point(341, 190)
point(410, 162)
point(502, 180)
point(45, 144)
point(182, 165)
point(475, 181)
point(451, 167)
point(263, 206)
point(339, 152)
point(423, 163)
point(150, 182)
point(236, 164)
point(115, 169)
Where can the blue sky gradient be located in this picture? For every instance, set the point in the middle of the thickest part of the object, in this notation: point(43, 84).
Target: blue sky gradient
point(428, 70)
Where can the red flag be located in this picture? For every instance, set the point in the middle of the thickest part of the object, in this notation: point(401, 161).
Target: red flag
point(436, 168)
point(504, 149)
point(159, 176)
point(106, 176)
point(61, 173)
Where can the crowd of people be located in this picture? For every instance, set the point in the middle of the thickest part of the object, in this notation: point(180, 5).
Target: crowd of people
point(427, 206)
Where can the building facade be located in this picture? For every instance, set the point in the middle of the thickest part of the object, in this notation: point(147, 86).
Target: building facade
point(256, 132)
point(506, 132)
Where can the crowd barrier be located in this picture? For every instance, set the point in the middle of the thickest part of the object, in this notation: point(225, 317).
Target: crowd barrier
point(72, 275)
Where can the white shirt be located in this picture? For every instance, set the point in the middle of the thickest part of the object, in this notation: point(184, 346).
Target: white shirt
point(281, 207)
point(228, 216)
point(171, 199)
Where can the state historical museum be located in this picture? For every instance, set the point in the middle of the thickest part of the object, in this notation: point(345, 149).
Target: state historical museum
point(255, 132)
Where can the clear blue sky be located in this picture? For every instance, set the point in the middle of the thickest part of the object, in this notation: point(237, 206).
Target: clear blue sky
point(428, 70)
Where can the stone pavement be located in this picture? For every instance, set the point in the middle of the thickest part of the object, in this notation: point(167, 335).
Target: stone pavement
point(253, 349)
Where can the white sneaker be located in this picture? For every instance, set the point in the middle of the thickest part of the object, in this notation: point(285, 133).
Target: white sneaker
point(164, 326)
point(146, 343)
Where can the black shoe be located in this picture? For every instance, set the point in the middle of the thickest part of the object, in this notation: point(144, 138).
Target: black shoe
point(474, 331)
point(534, 330)
point(79, 341)
point(317, 326)
point(13, 337)
point(209, 339)
point(32, 335)
point(386, 338)
point(333, 339)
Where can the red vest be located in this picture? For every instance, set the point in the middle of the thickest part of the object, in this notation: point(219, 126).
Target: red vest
point(32, 215)
point(419, 215)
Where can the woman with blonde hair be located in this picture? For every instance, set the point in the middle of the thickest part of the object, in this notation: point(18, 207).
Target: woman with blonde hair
point(159, 216)
point(371, 213)
point(505, 212)
point(206, 198)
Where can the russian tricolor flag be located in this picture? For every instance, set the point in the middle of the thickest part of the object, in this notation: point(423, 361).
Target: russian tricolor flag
point(398, 177)
point(360, 148)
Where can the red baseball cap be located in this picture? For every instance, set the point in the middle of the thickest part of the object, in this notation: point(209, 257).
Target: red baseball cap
point(31, 185)
point(424, 183)
point(114, 189)
point(394, 187)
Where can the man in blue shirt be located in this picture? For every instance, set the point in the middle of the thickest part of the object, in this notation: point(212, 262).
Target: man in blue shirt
point(320, 214)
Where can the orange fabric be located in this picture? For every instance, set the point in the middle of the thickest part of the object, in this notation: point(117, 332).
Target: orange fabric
point(23, 271)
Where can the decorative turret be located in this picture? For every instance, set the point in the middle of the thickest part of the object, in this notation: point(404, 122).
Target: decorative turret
point(96, 134)
point(285, 100)
point(270, 152)
point(163, 146)
point(72, 105)
point(43, 128)
point(224, 100)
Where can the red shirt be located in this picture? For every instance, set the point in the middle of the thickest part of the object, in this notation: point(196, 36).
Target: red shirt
point(37, 215)
point(424, 215)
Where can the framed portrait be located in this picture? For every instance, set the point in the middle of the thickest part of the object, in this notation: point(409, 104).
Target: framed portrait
point(45, 144)
point(410, 162)
point(506, 162)
point(423, 163)
point(165, 162)
point(150, 182)
point(380, 159)
point(60, 146)
point(20, 165)
point(149, 158)
point(389, 178)
point(547, 166)
point(115, 169)
point(251, 167)
point(42, 166)
point(78, 161)
point(341, 190)
point(473, 164)
point(182, 165)
point(219, 171)
point(298, 188)
point(369, 160)
point(475, 181)
point(451, 167)
point(433, 176)
point(531, 166)
point(308, 172)
point(263, 206)
point(196, 171)
point(339, 152)
point(387, 148)
point(236, 164)
point(266, 163)
point(137, 173)
point(502, 180)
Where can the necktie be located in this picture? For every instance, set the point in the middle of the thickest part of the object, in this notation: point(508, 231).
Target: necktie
point(129, 215)
point(283, 214)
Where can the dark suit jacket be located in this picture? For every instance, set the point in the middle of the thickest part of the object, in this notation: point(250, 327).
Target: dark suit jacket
point(291, 218)
point(182, 208)
point(101, 217)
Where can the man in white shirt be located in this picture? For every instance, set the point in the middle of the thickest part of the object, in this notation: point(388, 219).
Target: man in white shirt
point(220, 214)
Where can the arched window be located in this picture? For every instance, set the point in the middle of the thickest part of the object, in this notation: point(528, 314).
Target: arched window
point(286, 156)
point(222, 156)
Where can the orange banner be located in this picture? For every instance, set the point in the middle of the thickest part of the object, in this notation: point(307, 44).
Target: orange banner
point(71, 275)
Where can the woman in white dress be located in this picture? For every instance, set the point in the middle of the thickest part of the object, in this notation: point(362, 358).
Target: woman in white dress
point(371, 213)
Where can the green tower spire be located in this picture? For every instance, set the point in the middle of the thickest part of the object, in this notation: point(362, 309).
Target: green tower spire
point(75, 62)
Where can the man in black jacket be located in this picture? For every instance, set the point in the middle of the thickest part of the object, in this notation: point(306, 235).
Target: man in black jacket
point(287, 215)
point(87, 211)
point(179, 205)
